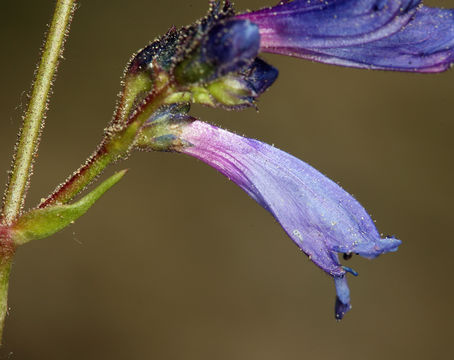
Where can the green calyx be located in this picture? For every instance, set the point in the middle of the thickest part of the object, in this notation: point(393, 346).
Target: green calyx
point(42, 223)
point(192, 70)
point(231, 91)
point(136, 87)
point(162, 132)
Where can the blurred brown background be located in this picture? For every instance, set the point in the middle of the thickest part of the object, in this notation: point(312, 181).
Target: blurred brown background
point(177, 262)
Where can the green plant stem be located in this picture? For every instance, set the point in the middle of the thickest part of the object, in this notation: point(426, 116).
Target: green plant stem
point(29, 139)
point(5, 267)
point(115, 146)
point(34, 117)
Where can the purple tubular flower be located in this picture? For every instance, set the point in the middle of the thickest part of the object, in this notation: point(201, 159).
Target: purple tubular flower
point(229, 46)
point(376, 34)
point(261, 76)
point(317, 214)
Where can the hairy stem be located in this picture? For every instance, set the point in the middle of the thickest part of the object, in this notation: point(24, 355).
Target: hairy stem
point(116, 145)
point(28, 141)
point(34, 117)
point(5, 267)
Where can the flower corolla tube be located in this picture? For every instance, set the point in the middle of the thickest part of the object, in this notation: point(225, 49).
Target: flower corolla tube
point(317, 214)
point(399, 35)
point(215, 62)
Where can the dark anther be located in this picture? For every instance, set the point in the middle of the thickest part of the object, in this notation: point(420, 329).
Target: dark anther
point(347, 256)
point(379, 5)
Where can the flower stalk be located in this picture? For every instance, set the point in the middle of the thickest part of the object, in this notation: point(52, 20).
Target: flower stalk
point(116, 145)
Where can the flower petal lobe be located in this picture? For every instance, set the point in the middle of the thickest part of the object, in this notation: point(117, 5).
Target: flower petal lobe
point(397, 35)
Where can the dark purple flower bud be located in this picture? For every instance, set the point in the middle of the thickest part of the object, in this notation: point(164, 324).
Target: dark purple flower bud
point(160, 52)
point(377, 34)
point(261, 76)
point(230, 46)
point(317, 214)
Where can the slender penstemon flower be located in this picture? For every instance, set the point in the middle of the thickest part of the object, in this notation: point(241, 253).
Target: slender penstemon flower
point(317, 214)
point(216, 62)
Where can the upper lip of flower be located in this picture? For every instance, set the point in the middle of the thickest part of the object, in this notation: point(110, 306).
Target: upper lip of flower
point(380, 34)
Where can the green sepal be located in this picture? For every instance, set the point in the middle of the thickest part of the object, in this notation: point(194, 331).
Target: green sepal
point(136, 88)
point(42, 223)
point(178, 97)
point(201, 95)
point(231, 91)
point(161, 132)
point(193, 70)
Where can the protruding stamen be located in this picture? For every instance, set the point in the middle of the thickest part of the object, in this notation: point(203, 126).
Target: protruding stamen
point(342, 304)
point(350, 270)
